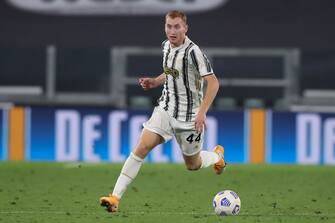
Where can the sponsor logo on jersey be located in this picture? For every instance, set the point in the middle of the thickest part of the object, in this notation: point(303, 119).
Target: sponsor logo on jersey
point(171, 71)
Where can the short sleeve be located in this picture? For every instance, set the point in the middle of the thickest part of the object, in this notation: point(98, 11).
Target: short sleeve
point(163, 43)
point(201, 62)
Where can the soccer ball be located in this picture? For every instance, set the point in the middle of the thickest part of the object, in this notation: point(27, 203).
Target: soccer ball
point(226, 202)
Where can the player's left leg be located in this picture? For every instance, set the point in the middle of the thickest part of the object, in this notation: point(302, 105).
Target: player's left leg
point(220, 165)
point(191, 144)
point(193, 162)
point(205, 159)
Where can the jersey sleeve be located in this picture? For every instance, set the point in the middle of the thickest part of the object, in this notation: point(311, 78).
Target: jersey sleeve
point(163, 43)
point(163, 51)
point(200, 62)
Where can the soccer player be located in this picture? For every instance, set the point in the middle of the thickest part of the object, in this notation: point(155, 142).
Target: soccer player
point(181, 110)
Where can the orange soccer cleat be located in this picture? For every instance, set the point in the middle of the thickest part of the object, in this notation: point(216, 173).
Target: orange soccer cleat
point(221, 164)
point(111, 203)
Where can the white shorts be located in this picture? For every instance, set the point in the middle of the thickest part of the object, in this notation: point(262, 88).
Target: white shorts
point(160, 122)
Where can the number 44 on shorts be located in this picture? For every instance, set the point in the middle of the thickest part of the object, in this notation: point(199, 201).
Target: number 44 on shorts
point(190, 138)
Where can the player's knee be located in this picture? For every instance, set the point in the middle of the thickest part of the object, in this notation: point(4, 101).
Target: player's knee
point(141, 150)
point(193, 166)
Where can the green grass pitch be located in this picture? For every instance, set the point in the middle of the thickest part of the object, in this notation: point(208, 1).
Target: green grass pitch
point(65, 192)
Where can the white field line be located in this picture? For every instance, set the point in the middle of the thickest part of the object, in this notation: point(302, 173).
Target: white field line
point(74, 165)
point(163, 213)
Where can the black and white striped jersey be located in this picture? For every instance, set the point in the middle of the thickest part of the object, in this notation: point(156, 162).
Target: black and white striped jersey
point(184, 67)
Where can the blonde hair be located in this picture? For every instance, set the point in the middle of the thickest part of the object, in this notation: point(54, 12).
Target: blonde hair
point(177, 14)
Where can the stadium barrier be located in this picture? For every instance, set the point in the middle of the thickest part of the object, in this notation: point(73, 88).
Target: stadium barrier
point(105, 135)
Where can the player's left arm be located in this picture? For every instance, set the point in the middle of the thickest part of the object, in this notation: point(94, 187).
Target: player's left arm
point(211, 91)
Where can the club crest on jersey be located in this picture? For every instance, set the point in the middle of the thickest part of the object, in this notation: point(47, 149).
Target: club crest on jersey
point(171, 71)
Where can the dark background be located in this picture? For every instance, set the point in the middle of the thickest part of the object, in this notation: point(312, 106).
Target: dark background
point(304, 24)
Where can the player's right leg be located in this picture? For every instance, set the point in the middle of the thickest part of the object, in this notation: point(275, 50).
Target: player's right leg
point(131, 167)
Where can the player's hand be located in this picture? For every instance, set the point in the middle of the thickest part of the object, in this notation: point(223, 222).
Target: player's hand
point(147, 83)
point(200, 122)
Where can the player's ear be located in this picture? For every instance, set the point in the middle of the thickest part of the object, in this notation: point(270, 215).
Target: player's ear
point(186, 28)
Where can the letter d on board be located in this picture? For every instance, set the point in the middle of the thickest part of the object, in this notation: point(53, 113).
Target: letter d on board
point(67, 135)
point(308, 138)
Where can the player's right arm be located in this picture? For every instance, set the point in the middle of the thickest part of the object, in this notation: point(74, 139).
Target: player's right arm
point(149, 83)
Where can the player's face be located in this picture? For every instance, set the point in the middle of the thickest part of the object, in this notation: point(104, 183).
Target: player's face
point(175, 30)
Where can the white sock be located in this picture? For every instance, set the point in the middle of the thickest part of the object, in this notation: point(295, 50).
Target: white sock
point(128, 173)
point(208, 158)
